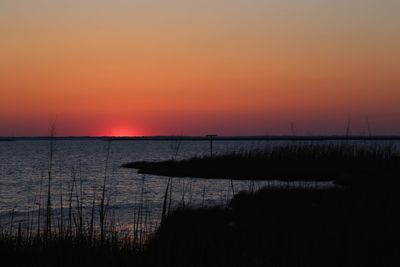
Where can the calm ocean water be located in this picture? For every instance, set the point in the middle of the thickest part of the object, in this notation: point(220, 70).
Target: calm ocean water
point(24, 166)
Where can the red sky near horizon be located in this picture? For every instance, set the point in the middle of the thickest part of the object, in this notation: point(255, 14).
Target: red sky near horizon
point(195, 67)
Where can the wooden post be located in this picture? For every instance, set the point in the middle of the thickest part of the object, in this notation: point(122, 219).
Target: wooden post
point(211, 143)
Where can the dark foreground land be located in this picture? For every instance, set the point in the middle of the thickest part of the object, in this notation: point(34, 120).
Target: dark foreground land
point(277, 227)
point(355, 224)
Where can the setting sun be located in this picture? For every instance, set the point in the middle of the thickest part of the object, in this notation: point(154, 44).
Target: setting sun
point(121, 131)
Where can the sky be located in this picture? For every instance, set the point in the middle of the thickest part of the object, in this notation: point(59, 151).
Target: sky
point(229, 67)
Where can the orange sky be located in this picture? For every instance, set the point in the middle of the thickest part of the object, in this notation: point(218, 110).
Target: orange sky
point(177, 67)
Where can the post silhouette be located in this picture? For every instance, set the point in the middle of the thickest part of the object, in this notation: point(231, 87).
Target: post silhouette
point(368, 126)
point(211, 143)
point(348, 129)
point(292, 129)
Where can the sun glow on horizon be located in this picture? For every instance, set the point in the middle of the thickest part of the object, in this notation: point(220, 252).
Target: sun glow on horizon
point(121, 131)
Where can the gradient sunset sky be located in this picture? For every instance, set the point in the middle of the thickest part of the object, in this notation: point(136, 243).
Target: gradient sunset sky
point(230, 67)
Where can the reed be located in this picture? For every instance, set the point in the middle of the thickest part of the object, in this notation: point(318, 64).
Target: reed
point(48, 232)
point(103, 210)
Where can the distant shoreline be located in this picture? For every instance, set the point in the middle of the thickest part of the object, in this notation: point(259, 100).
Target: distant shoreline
point(217, 138)
point(6, 139)
point(344, 164)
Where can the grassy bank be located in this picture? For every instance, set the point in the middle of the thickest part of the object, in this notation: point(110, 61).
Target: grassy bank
point(342, 163)
point(279, 227)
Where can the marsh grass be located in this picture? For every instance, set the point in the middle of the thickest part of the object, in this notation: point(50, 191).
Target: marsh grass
point(343, 163)
point(76, 230)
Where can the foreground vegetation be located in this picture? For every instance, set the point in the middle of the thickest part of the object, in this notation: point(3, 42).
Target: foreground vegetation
point(352, 225)
point(18, 250)
point(280, 227)
point(343, 164)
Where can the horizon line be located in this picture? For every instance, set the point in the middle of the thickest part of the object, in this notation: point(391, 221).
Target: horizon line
point(205, 137)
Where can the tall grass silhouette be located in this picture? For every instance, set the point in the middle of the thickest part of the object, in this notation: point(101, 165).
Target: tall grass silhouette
point(74, 232)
